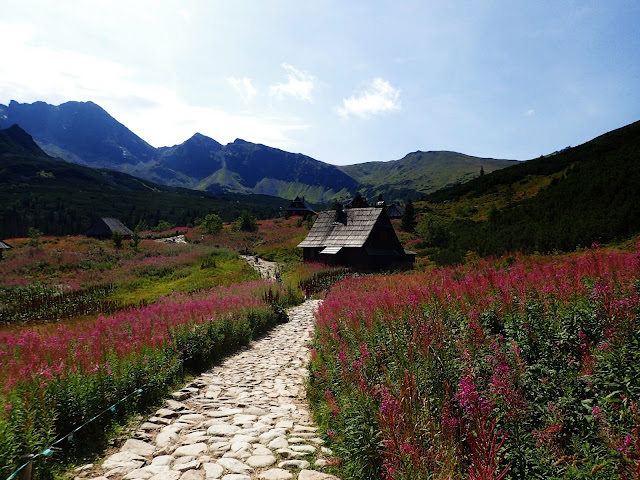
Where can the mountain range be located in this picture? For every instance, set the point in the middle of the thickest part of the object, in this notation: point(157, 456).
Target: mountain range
point(589, 193)
point(61, 198)
point(85, 134)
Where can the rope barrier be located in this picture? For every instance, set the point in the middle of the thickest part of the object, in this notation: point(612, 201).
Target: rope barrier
point(49, 450)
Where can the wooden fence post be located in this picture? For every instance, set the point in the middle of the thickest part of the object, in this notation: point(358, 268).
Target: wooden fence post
point(25, 473)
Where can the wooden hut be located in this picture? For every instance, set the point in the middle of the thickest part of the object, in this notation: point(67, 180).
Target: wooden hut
point(358, 202)
point(395, 211)
point(4, 246)
point(106, 227)
point(299, 206)
point(362, 238)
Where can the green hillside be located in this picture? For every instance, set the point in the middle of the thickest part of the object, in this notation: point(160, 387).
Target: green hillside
point(61, 198)
point(420, 172)
point(570, 199)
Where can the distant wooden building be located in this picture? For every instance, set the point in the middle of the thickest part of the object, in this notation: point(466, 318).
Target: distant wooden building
point(105, 228)
point(300, 207)
point(358, 202)
point(362, 238)
point(4, 246)
point(395, 211)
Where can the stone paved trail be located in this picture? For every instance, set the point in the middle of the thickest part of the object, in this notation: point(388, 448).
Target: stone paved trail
point(264, 267)
point(242, 420)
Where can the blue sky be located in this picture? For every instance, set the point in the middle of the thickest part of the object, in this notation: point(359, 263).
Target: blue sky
point(342, 81)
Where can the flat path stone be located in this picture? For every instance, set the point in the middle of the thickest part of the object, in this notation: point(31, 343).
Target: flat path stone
point(237, 421)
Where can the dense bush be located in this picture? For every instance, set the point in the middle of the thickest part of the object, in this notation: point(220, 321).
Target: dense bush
point(55, 379)
point(41, 304)
point(523, 367)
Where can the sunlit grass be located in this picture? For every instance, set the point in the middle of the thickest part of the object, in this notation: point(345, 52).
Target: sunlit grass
point(187, 279)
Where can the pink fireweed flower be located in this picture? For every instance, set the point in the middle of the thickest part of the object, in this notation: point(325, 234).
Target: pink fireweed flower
point(389, 406)
point(628, 440)
point(364, 351)
point(596, 413)
point(342, 356)
point(599, 291)
point(467, 394)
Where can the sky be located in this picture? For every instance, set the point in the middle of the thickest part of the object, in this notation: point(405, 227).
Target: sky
point(344, 81)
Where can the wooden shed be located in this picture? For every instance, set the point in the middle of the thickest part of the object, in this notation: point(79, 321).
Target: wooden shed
point(362, 238)
point(105, 228)
point(299, 206)
point(358, 202)
point(395, 211)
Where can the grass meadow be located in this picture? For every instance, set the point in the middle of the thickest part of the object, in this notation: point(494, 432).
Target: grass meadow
point(84, 324)
point(512, 367)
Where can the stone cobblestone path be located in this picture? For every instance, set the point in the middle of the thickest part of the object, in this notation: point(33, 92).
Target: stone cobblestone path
point(264, 267)
point(242, 420)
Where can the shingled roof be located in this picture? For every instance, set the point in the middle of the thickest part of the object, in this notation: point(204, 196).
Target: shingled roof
point(105, 227)
point(4, 246)
point(352, 229)
point(395, 211)
point(300, 205)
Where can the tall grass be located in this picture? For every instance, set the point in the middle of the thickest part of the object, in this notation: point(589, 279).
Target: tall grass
point(56, 377)
point(519, 367)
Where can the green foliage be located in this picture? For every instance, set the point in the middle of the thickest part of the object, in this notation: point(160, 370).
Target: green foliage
point(34, 236)
point(142, 226)
point(323, 280)
point(434, 231)
point(116, 237)
point(592, 196)
point(282, 253)
point(135, 241)
point(162, 226)
point(35, 412)
point(247, 222)
point(408, 217)
point(310, 221)
point(212, 223)
point(41, 304)
point(217, 257)
point(411, 375)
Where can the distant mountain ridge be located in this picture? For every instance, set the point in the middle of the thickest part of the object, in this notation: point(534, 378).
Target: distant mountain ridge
point(422, 172)
point(84, 133)
point(62, 198)
point(79, 132)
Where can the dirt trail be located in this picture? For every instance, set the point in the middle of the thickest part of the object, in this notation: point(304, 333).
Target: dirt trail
point(267, 269)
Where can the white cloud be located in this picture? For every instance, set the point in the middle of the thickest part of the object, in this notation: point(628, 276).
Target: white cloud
point(171, 122)
point(244, 87)
point(184, 13)
point(299, 84)
point(378, 98)
point(531, 112)
point(155, 112)
point(34, 72)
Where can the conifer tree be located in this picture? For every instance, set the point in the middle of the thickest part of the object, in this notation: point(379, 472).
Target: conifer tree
point(408, 223)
